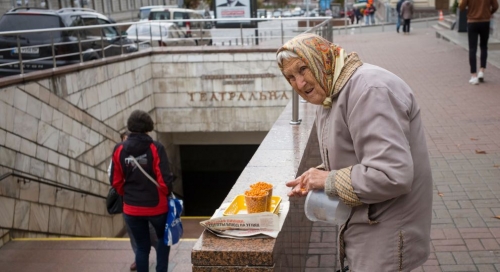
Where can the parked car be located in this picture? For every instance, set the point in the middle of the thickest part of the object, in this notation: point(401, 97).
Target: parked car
point(36, 47)
point(311, 14)
point(276, 14)
point(199, 30)
point(144, 11)
point(206, 14)
point(286, 13)
point(160, 34)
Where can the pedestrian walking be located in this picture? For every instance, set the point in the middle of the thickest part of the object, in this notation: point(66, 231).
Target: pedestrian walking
point(350, 15)
point(374, 153)
point(358, 15)
point(479, 13)
point(152, 233)
point(366, 14)
point(372, 11)
point(406, 14)
point(144, 202)
point(398, 10)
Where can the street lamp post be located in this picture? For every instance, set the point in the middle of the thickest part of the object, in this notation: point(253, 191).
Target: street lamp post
point(307, 11)
point(345, 16)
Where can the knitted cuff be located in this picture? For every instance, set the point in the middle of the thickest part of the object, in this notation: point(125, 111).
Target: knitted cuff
point(343, 184)
point(330, 189)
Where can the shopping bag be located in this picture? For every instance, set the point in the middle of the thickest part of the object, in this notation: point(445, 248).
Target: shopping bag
point(173, 227)
point(114, 202)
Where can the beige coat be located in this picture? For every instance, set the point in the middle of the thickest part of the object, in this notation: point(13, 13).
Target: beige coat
point(407, 10)
point(373, 136)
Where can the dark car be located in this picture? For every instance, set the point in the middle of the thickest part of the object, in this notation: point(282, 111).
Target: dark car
point(36, 50)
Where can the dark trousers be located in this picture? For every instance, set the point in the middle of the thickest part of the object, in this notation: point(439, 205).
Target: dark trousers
point(406, 25)
point(152, 237)
point(481, 29)
point(140, 230)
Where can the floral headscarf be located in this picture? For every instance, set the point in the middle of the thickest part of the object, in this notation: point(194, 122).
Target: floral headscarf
point(328, 62)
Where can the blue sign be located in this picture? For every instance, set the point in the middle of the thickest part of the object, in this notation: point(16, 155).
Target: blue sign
point(324, 4)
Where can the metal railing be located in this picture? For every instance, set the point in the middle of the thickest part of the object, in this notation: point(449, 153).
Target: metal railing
point(264, 32)
point(25, 178)
point(56, 47)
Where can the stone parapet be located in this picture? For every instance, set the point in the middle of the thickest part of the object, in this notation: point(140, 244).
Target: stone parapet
point(286, 152)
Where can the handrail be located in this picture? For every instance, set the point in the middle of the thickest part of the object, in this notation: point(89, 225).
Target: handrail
point(131, 42)
point(47, 182)
point(62, 186)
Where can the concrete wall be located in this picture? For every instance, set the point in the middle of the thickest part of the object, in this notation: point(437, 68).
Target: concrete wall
point(218, 92)
point(44, 136)
point(62, 128)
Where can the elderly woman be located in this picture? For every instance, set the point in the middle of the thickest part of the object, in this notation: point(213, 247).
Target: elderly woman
point(374, 154)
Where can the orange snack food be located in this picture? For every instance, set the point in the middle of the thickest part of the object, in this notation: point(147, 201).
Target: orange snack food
point(261, 186)
point(256, 200)
point(265, 187)
point(253, 192)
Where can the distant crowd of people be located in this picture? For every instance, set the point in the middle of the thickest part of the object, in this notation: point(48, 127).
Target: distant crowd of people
point(357, 14)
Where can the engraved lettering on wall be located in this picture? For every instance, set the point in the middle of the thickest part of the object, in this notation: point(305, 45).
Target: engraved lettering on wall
point(236, 96)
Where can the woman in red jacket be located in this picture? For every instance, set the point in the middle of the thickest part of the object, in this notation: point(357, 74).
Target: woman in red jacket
point(143, 201)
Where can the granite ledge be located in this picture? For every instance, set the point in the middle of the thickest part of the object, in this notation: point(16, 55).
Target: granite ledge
point(232, 269)
point(211, 250)
point(212, 253)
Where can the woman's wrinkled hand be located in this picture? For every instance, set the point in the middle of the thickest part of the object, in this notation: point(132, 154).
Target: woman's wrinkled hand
point(312, 179)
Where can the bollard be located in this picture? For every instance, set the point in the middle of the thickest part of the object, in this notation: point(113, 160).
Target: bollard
point(241, 34)
point(282, 33)
point(295, 109)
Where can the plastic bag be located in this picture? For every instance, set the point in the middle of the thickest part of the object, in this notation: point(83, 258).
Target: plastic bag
point(173, 227)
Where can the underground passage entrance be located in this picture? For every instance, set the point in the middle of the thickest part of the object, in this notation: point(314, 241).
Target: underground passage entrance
point(208, 174)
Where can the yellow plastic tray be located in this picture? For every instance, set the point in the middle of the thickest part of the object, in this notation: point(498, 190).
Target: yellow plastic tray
point(238, 205)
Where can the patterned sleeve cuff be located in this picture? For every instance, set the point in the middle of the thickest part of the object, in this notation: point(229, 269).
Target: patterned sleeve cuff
point(343, 184)
point(330, 189)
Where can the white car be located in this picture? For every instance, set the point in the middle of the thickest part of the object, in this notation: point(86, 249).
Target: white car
point(197, 29)
point(144, 11)
point(154, 34)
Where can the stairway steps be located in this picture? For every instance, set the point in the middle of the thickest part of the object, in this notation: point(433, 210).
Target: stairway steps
point(444, 24)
